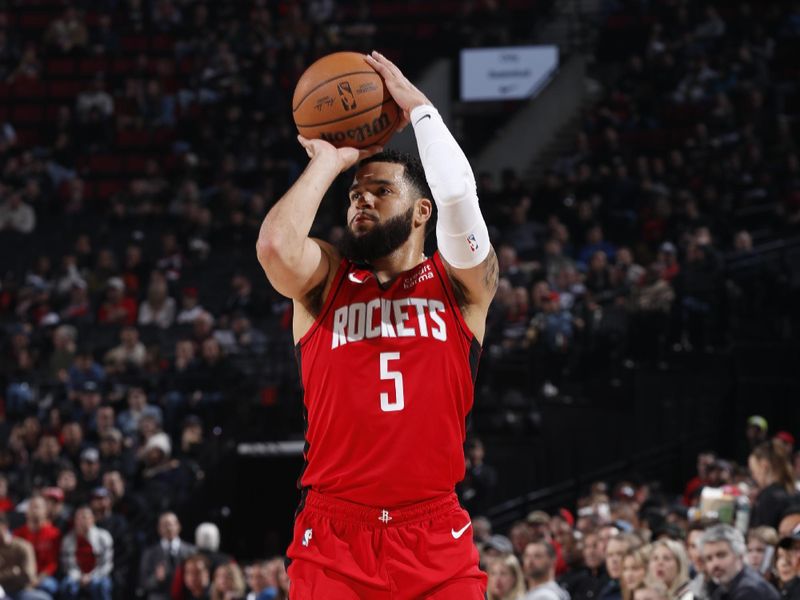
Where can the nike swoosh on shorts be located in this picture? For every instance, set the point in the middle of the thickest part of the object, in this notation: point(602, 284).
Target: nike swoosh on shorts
point(460, 532)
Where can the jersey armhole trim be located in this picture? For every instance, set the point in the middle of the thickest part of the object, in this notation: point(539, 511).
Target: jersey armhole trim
point(448, 291)
point(338, 278)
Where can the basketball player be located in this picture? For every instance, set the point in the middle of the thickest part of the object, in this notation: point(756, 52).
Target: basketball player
point(388, 341)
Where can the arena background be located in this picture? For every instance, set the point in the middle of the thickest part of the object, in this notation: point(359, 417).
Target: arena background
point(166, 126)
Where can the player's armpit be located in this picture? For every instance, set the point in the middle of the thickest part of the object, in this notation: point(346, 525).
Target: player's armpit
point(478, 284)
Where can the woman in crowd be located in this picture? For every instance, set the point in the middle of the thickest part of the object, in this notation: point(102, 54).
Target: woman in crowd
point(634, 571)
point(761, 543)
point(228, 583)
point(772, 472)
point(506, 581)
point(669, 564)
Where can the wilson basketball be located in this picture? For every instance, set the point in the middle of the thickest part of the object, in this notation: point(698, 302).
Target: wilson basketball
point(343, 100)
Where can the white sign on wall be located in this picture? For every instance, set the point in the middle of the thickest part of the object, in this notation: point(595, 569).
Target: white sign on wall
point(509, 73)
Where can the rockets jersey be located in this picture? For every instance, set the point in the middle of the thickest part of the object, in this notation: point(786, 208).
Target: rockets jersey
point(388, 374)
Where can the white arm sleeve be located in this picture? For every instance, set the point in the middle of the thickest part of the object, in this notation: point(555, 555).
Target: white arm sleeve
point(461, 232)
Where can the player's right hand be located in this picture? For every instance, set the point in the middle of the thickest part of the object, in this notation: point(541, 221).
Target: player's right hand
point(344, 157)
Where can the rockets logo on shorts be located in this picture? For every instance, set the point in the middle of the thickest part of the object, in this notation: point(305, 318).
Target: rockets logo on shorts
point(306, 537)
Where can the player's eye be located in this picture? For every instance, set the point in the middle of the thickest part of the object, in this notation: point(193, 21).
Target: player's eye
point(385, 190)
point(354, 196)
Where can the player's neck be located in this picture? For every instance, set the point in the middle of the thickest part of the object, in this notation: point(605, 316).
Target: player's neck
point(406, 257)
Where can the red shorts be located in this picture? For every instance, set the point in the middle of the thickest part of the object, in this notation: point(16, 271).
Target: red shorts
point(346, 551)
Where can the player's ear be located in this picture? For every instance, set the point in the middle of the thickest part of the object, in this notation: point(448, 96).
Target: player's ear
point(423, 210)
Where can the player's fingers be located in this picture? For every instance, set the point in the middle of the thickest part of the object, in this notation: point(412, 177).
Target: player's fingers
point(382, 69)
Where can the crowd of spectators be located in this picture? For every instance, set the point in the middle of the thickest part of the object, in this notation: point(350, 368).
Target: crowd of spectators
point(636, 541)
point(141, 144)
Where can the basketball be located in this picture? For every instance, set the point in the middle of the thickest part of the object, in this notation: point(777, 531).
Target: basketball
point(342, 99)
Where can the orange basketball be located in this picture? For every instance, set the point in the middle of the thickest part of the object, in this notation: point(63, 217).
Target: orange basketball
point(343, 100)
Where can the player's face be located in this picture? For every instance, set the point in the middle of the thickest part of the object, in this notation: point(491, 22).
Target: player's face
point(378, 193)
point(380, 215)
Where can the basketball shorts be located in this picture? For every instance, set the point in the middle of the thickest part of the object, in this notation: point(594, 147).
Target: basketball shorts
point(346, 551)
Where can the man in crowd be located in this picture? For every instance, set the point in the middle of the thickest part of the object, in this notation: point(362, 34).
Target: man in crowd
point(789, 552)
point(616, 548)
point(87, 558)
point(724, 550)
point(539, 566)
point(160, 560)
point(17, 566)
point(46, 541)
point(587, 581)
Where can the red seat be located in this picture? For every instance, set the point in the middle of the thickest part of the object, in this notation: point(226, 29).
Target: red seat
point(27, 113)
point(134, 43)
point(90, 66)
point(136, 164)
point(28, 137)
point(34, 20)
point(60, 67)
point(133, 138)
point(26, 88)
point(101, 163)
point(162, 43)
point(66, 89)
point(107, 188)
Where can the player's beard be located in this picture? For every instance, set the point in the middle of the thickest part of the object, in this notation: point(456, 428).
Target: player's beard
point(381, 240)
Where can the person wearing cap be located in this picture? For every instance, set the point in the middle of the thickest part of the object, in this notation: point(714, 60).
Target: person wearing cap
point(114, 456)
point(539, 567)
point(46, 541)
point(58, 513)
point(117, 308)
point(89, 476)
point(496, 545)
point(723, 551)
point(17, 566)
point(787, 439)
point(87, 559)
point(667, 261)
point(755, 431)
point(84, 368)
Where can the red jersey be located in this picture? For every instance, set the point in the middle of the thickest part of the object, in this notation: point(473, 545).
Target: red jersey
point(46, 544)
point(388, 373)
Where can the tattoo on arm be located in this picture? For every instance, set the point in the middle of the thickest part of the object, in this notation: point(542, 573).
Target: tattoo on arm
point(491, 275)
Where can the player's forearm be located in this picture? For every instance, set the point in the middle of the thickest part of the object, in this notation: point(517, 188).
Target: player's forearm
point(461, 232)
point(285, 229)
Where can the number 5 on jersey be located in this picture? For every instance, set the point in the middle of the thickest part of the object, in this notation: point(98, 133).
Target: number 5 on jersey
point(399, 402)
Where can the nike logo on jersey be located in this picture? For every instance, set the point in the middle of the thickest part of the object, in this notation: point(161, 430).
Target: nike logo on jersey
point(355, 278)
point(460, 532)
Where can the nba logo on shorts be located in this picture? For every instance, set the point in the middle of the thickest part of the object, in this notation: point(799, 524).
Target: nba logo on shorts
point(346, 95)
point(306, 537)
point(473, 243)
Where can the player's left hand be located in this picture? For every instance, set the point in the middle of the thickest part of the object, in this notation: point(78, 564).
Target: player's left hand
point(405, 93)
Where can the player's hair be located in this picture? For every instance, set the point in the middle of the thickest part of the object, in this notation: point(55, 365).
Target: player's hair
point(414, 174)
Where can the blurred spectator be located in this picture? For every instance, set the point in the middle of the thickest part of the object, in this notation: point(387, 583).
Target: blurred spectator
point(634, 571)
point(477, 487)
point(196, 578)
point(587, 581)
point(117, 309)
point(506, 581)
point(17, 215)
point(18, 572)
point(761, 545)
point(788, 566)
point(87, 559)
point(724, 553)
point(58, 513)
point(160, 561)
point(228, 583)
point(774, 478)
point(129, 355)
point(46, 541)
point(691, 492)
point(206, 539)
point(117, 525)
point(669, 564)
point(616, 548)
point(539, 567)
point(138, 407)
point(158, 308)
point(190, 307)
point(68, 32)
